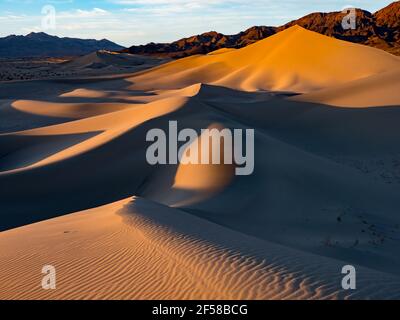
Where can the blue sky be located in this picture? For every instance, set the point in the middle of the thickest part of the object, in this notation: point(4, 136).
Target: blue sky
point(129, 22)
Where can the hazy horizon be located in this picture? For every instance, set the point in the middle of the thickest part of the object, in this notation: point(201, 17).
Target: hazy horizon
point(143, 20)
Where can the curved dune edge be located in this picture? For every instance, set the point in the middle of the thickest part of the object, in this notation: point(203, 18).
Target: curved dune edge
point(136, 249)
point(100, 128)
point(68, 110)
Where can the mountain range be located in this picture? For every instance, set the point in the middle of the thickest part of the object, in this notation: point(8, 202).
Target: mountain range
point(43, 45)
point(380, 30)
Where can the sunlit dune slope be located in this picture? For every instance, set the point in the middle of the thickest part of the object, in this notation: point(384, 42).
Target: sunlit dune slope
point(293, 60)
point(58, 142)
point(375, 91)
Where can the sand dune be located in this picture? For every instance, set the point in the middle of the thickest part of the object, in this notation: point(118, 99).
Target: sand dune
point(93, 64)
point(324, 192)
point(293, 60)
point(135, 249)
point(101, 59)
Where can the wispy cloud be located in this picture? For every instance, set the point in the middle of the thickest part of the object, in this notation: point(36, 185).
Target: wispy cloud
point(79, 13)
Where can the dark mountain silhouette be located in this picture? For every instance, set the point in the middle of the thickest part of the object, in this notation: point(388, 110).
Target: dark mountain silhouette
point(44, 45)
point(380, 30)
point(203, 43)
